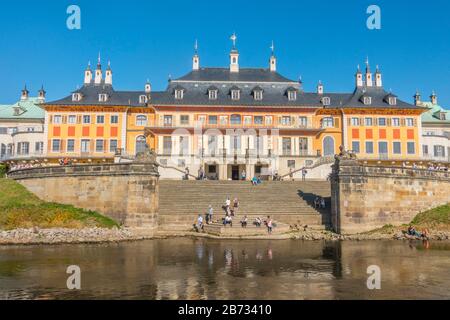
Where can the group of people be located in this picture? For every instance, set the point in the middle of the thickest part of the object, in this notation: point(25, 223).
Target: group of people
point(319, 203)
point(420, 234)
point(231, 209)
point(65, 162)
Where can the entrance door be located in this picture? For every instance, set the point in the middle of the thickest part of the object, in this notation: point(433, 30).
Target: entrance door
point(235, 172)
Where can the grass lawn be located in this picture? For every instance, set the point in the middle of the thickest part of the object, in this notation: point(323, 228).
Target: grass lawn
point(19, 208)
point(437, 219)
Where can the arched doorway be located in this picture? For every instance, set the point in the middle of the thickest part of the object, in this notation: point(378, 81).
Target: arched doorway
point(141, 143)
point(328, 146)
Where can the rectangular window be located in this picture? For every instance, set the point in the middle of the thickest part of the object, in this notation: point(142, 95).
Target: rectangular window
point(113, 146)
point(269, 121)
point(287, 148)
point(396, 122)
point(57, 119)
point(100, 119)
point(201, 119)
point(235, 143)
point(184, 145)
point(368, 122)
point(167, 145)
point(258, 120)
point(212, 145)
point(247, 120)
point(212, 120)
point(410, 122)
point(303, 122)
point(355, 122)
point(167, 121)
point(184, 119)
point(382, 122)
point(411, 148)
point(39, 147)
point(223, 120)
point(71, 145)
point(72, 119)
point(85, 145)
point(327, 122)
point(439, 151)
point(355, 147)
point(86, 119)
point(99, 144)
point(286, 120)
point(23, 148)
point(397, 147)
point(291, 164)
point(425, 150)
point(56, 145)
point(303, 146)
point(369, 147)
point(141, 121)
point(382, 148)
point(114, 119)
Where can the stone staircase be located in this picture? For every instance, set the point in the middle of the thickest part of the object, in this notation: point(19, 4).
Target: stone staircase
point(180, 202)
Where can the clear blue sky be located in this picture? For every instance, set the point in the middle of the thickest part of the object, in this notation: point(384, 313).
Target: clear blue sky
point(319, 40)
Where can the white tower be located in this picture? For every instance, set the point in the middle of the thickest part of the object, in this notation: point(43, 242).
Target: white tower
point(41, 95)
point(98, 72)
point(433, 98)
point(320, 87)
point(378, 81)
point(234, 56)
point(108, 74)
point(88, 74)
point(417, 98)
point(148, 87)
point(25, 94)
point(273, 59)
point(369, 80)
point(195, 58)
point(359, 78)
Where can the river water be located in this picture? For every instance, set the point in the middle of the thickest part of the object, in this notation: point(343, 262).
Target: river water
point(185, 268)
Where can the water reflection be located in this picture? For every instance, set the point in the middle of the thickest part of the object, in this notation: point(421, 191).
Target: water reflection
point(213, 269)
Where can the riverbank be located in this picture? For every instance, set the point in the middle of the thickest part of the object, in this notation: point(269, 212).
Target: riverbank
point(36, 236)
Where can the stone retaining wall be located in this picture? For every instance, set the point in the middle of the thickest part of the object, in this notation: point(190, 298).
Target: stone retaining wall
point(128, 193)
point(368, 197)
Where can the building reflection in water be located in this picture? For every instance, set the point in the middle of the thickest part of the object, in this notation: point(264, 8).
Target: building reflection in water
point(213, 269)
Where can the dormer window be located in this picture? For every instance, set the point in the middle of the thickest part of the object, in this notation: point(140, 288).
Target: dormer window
point(292, 95)
point(179, 93)
point(143, 99)
point(258, 95)
point(212, 94)
point(235, 94)
point(367, 100)
point(76, 96)
point(102, 97)
point(17, 111)
point(326, 101)
point(442, 116)
point(392, 101)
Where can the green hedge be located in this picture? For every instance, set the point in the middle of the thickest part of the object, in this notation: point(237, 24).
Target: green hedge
point(2, 170)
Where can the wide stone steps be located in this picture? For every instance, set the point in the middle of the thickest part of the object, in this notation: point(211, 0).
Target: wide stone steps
point(286, 202)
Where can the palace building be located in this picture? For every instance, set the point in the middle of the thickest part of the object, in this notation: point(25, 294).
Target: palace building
point(22, 128)
point(232, 120)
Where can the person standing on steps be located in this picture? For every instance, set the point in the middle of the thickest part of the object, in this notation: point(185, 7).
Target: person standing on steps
point(291, 174)
point(304, 172)
point(227, 206)
point(269, 225)
point(235, 205)
point(243, 175)
point(210, 213)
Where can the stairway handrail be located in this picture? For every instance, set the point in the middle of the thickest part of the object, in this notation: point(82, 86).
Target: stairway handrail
point(321, 161)
point(176, 169)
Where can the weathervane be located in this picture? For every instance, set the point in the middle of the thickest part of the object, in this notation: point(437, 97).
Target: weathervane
point(272, 47)
point(196, 46)
point(234, 38)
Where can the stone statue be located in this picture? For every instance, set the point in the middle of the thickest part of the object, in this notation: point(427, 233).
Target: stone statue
point(147, 156)
point(345, 155)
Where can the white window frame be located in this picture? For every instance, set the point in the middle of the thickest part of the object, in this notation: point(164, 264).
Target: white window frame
point(102, 97)
point(72, 119)
point(53, 145)
point(235, 94)
point(292, 95)
point(143, 99)
point(67, 146)
point(59, 117)
point(141, 122)
point(212, 94)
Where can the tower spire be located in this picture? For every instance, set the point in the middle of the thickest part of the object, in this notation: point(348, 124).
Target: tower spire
point(195, 58)
point(273, 59)
point(234, 55)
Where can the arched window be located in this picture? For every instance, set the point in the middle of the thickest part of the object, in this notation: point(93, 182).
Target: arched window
point(141, 144)
point(141, 120)
point(235, 119)
point(328, 146)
